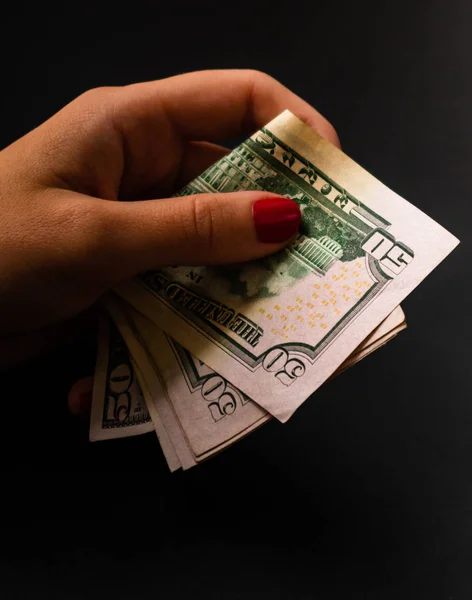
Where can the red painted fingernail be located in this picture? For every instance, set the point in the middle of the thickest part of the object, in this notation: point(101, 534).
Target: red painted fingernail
point(276, 219)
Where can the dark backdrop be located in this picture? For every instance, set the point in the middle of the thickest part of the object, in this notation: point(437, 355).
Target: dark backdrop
point(367, 491)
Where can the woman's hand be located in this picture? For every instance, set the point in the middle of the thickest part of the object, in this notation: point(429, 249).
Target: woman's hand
point(64, 240)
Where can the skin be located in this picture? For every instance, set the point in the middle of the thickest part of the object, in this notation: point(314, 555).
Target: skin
point(64, 238)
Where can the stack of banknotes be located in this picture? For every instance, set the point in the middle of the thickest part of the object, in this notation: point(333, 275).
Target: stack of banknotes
point(203, 356)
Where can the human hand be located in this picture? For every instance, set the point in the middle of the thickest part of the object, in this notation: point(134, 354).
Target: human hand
point(64, 240)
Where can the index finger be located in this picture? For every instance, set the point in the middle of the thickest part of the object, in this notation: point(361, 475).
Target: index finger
point(218, 104)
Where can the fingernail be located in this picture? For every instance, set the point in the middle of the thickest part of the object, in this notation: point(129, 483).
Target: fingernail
point(276, 219)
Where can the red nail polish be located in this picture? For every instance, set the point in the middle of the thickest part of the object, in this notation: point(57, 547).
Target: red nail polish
point(276, 219)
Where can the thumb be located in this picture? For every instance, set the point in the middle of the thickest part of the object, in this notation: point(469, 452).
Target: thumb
point(201, 229)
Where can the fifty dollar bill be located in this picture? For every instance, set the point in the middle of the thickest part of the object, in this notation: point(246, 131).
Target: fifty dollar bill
point(195, 409)
point(277, 328)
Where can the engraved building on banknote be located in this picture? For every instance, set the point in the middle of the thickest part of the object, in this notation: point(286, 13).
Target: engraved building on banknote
point(317, 255)
point(243, 169)
point(239, 170)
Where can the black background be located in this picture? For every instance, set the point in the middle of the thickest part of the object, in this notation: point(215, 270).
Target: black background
point(367, 491)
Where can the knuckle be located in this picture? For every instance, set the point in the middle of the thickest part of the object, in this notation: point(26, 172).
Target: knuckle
point(259, 77)
point(93, 107)
point(96, 96)
point(263, 82)
point(199, 221)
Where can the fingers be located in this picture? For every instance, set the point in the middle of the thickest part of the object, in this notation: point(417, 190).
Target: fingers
point(200, 229)
point(156, 118)
point(119, 142)
point(214, 105)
